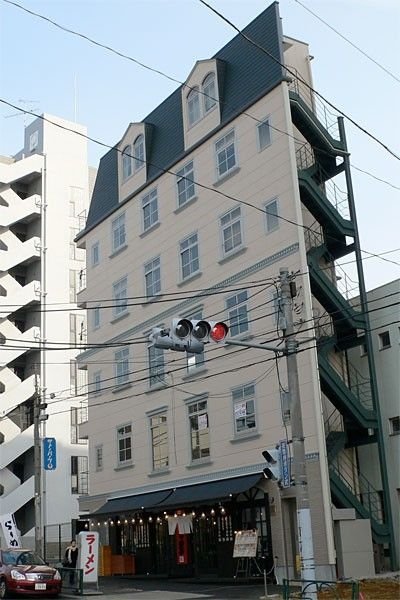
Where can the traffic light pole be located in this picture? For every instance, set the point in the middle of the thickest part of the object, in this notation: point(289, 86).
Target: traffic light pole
point(299, 458)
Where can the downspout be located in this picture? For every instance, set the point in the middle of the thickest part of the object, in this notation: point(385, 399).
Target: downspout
point(43, 319)
point(370, 356)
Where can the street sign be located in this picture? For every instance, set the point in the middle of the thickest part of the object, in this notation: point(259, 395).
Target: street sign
point(49, 454)
point(285, 463)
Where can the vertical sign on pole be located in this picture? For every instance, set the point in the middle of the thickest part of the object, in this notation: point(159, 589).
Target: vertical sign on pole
point(49, 453)
point(285, 463)
point(89, 555)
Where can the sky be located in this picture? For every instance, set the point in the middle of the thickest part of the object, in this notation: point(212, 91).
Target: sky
point(48, 70)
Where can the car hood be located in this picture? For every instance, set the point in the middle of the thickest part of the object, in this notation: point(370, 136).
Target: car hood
point(34, 569)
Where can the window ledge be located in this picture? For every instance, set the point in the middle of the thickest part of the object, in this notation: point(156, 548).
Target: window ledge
point(247, 435)
point(394, 433)
point(152, 299)
point(196, 371)
point(118, 251)
point(120, 388)
point(163, 471)
point(155, 388)
point(125, 466)
point(226, 176)
point(182, 207)
point(384, 348)
point(120, 317)
point(241, 337)
point(189, 278)
point(201, 462)
point(150, 229)
point(232, 254)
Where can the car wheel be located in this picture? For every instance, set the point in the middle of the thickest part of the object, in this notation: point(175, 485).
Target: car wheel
point(3, 589)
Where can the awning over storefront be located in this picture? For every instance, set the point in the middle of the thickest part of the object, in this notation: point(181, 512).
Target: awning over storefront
point(188, 495)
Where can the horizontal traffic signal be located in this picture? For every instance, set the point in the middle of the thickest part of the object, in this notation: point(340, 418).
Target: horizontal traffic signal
point(189, 335)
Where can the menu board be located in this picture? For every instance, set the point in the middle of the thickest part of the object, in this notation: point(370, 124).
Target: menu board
point(245, 543)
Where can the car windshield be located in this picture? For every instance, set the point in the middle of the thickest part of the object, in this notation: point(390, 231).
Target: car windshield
point(22, 557)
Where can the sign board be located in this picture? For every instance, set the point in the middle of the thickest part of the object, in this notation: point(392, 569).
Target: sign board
point(245, 543)
point(10, 531)
point(88, 558)
point(49, 453)
point(285, 463)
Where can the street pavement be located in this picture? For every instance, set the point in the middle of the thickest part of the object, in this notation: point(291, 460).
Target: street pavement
point(122, 588)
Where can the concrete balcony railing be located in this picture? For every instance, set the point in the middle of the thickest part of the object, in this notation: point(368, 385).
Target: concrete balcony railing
point(13, 343)
point(14, 252)
point(18, 210)
point(16, 394)
point(15, 499)
point(15, 447)
point(21, 169)
point(16, 296)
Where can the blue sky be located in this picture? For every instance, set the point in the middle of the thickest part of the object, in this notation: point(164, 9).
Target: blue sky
point(42, 63)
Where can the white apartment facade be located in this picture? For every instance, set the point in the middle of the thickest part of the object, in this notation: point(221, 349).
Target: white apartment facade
point(193, 214)
point(44, 193)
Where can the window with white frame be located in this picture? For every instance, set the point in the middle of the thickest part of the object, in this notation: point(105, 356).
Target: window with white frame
point(118, 233)
point(243, 399)
point(185, 184)
point(126, 163)
point(150, 210)
point(156, 366)
point(120, 293)
point(384, 340)
point(152, 277)
point(226, 153)
point(98, 457)
point(189, 253)
point(96, 317)
point(394, 426)
point(209, 92)
point(95, 254)
point(194, 361)
point(97, 382)
point(264, 134)
point(124, 444)
point(236, 306)
point(121, 366)
point(193, 106)
point(159, 441)
point(138, 153)
point(231, 230)
point(271, 215)
point(199, 430)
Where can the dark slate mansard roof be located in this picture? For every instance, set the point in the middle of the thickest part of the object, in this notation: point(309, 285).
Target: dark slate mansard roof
point(247, 75)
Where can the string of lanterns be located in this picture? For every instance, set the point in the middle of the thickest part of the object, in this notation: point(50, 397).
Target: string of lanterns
point(111, 522)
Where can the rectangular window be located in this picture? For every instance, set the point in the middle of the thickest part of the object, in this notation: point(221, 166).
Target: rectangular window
point(236, 306)
point(118, 233)
point(394, 426)
point(264, 134)
point(159, 441)
point(226, 155)
point(78, 415)
point(73, 232)
point(73, 285)
point(98, 452)
point(97, 382)
point(150, 210)
point(199, 430)
point(384, 340)
point(152, 277)
point(73, 379)
point(79, 475)
point(95, 254)
point(189, 252)
point(271, 215)
point(156, 366)
point(185, 184)
point(120, 293)
point(124, 442)
point(231, 231)
point(96, 317)
point(244, 408)
point(121, 366)
point(194, 360)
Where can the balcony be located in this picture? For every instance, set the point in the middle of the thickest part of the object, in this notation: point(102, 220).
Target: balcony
point(13, 343)
point(16, 296)
point(14, 252)
point(25, 169)
point(16, 391)
point(14, 499)
point(18, 210)
point(15, 447)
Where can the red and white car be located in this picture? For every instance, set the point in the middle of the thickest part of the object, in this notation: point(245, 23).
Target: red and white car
point(25, 572)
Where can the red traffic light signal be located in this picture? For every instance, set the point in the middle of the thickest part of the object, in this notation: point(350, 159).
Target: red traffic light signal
point(219, 331)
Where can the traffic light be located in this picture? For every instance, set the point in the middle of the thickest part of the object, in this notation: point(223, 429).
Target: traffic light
point(273, 471)
point(189, 335)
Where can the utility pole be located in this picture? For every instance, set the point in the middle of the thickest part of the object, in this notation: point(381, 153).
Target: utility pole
point(37, 467)
point(299, 457)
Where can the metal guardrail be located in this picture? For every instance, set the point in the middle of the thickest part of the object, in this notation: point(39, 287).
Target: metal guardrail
point(338, 588)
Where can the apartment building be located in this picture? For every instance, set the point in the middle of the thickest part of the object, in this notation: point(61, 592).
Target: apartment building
point(44, 193)
point(194, 212)
point(384, 311)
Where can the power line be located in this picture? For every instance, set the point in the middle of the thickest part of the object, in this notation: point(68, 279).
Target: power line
point(272, 57)
point(387, 71)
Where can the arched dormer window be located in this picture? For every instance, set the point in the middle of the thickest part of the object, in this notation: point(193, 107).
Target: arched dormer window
point(126, 163)
point(209, 91)
point(193, 106)
point(138, 153)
